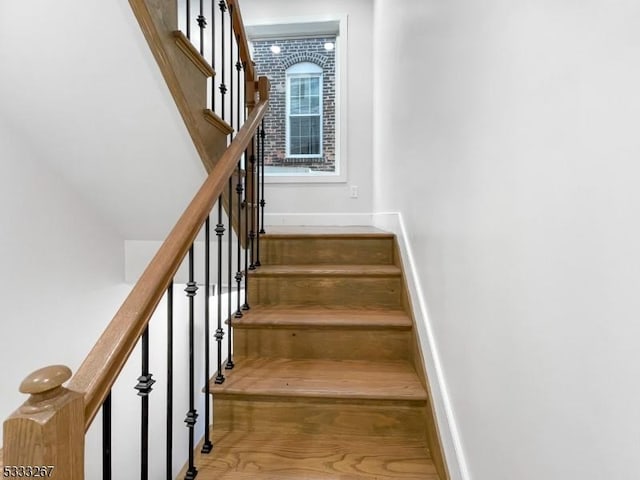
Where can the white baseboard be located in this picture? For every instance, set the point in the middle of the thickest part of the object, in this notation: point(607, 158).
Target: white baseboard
point(320, 219)
point(447, 426)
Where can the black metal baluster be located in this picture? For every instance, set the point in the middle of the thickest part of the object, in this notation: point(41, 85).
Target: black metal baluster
point(262, 200)
point(231, 89)
point(144, 387)
point(242, 93)
point(202, 24)
point(169, 453)
point(188, 14)
point(246, 306)
point(223, 87)
point(239, 71)
point(239, 190)
point(207, 446)
point(106, 438)
point(192, 414)
point(219, 332)
point(230, 364)
point(213, 54)
point(255, 211)
point(258, 156)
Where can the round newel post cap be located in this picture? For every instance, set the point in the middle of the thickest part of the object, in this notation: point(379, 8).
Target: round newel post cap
point(45, 379)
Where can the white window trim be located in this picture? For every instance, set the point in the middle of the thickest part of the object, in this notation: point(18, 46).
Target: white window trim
point(316, 26)
point(298, 71)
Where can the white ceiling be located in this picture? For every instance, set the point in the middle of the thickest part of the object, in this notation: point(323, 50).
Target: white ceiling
point(80, 86)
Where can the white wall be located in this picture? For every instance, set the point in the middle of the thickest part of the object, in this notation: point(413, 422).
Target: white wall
point(306, 202)
point(506, 136)
point(79, 81)
point(138, 254)
point(62, 274)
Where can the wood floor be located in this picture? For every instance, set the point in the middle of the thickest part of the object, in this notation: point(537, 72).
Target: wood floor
point(326, 383)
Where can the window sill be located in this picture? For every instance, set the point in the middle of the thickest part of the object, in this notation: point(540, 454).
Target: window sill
point(302, 158)
point(310, 177)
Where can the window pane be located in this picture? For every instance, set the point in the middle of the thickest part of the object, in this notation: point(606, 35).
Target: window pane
point(315, 86)
point(304, 97)
point(314, 104)
point(304, 135)
point(294, 105)
point(304, 87)
point(295, 87)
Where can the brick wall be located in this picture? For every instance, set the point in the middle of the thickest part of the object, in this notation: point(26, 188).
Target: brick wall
point(274, 66)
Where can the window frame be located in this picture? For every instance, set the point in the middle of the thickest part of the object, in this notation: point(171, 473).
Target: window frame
point(315, 26)
point(303, 70)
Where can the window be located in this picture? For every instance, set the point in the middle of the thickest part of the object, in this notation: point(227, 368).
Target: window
point(304, 111)
point(305, 126)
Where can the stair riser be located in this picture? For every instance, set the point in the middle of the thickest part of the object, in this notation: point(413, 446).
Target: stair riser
point(336, 344)
point(339, 291)
point(316, 417)
point(327, 251)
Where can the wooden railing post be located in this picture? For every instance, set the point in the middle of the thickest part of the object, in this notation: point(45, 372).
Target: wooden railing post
point(263, 87)
point(251, 90)
point(46, 434)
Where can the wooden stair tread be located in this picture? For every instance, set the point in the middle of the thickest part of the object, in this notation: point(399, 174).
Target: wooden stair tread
point(215, 120)
point(323, 378)
point(292, 231)
point(193, 54)
point(328, 270)
point(277, 456)
point(280, 317)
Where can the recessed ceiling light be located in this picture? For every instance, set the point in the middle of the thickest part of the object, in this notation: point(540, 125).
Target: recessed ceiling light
point(275, 49)
point(329, 46)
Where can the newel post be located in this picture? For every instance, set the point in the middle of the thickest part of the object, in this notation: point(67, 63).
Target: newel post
point(264, 86)
point(47, 431)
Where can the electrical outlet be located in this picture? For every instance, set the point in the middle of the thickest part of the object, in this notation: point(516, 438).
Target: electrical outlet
point(354, 191)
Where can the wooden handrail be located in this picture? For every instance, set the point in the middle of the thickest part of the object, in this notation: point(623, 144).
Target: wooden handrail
point(97, 374)
point(243, 43)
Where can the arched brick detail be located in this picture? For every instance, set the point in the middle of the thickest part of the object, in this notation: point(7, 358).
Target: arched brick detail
point(300, 57)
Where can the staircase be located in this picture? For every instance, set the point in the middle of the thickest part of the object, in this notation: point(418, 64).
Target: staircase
point(328, 381)
point(325, 383)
